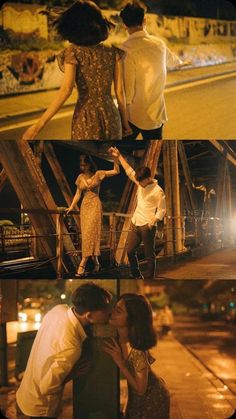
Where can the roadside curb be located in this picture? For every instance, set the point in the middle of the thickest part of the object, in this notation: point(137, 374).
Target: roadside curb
point(4, 118)
point(212, 377)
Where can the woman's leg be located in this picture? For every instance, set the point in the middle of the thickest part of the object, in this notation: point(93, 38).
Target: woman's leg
point(82, 266)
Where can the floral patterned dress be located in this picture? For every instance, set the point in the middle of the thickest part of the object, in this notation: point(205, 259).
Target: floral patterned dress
point(154, 404)
point(95, 116)
point(90, 213)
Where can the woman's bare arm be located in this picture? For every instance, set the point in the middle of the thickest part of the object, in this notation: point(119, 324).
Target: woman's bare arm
point(75, 200)
point(114, 171)
point(139, 380)
point(61, 96)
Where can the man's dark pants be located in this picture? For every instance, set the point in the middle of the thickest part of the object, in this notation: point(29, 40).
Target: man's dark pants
point(146, 235)
point(151, 134)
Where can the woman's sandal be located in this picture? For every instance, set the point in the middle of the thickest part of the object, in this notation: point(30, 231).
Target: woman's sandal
point(82, 273)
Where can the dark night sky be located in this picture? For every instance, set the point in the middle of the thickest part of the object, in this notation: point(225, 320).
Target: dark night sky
point(223, 9)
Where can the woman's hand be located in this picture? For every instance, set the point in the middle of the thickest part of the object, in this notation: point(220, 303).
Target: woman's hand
point(113, 349)
point(68, 210)
point(31, 132)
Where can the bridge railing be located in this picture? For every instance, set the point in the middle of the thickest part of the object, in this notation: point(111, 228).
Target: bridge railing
point(194, 231)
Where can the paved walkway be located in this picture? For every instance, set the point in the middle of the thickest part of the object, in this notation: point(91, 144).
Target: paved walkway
point(195, 392)
point(26, 104)
point(220, 264)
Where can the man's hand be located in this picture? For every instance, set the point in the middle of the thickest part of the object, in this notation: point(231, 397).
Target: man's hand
point(114, 152)
point(81, 367)
point(186, 62)
point(126, 131)
point(152, 223)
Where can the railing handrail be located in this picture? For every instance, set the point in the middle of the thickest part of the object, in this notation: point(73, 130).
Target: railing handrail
point(105, 213)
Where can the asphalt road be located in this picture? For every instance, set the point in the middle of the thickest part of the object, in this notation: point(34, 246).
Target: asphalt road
point(198, 110)
point(202, 111)
point(213, 343)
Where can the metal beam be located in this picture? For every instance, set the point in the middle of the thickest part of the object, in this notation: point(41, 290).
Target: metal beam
point(225, 150)
point(31, 188)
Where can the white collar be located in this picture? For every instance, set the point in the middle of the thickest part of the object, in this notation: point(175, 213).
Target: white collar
point(138, 34)
point(75, 321)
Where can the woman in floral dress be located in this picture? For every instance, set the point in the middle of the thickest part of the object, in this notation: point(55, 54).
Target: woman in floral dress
point(93, 67)
point(88, 185)
point(148, 397)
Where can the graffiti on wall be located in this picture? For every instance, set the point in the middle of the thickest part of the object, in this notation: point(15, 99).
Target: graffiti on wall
point(24, 19)
point(196, 39)
point(28, 71)
point(194, 30)
point(28, 19)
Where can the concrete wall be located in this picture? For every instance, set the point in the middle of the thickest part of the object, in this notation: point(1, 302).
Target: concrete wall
point(24, 20)
point(28, 71)
point(203, 41)
point(185, 29)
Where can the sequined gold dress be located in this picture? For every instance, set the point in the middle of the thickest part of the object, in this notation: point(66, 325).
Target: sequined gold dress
point(154, 404)
point(90, 213)
point(95, 116)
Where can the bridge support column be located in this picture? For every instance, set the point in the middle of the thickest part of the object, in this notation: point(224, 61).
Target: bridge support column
point(174, 225)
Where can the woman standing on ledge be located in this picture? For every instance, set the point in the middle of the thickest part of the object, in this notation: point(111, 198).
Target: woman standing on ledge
point(148, 397)
point(88, 184)
point(93, 66)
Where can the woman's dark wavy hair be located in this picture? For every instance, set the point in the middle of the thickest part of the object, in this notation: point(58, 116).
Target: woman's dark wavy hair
point(141, 333)
point(88, 160)
point(83, 24)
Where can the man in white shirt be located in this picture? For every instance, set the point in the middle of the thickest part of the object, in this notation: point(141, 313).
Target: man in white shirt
point(145, 64)
point(151, 207)
point(55, 356)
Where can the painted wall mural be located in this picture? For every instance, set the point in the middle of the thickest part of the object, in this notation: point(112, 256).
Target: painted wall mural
point(202, 41)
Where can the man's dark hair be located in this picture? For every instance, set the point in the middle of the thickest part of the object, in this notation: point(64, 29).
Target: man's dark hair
point(133, 14)
point(141, 333)
point(90, 297)
point(142, 172)
point(83, 24)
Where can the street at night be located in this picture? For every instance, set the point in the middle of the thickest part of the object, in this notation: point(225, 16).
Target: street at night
point(189, 97)
point(220, 264)
point(213, 343)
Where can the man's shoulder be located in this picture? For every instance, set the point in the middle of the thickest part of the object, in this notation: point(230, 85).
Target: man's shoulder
point(146, 41)
point(157, 188)
point(59, 309)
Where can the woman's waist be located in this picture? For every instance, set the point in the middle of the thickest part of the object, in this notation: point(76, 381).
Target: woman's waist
point(91, 195)
point(94, 94)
